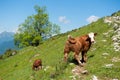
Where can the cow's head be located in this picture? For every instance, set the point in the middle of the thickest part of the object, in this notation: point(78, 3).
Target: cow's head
point(91, 36)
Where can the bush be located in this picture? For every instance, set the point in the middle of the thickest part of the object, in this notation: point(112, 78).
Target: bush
point(9, 53)
point(1, 56)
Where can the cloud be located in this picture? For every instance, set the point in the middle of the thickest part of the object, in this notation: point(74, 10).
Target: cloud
point(64, 20)
point(92, 18)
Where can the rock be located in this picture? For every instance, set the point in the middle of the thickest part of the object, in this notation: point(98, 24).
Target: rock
point(31, 77)
point(94, 77)
point(93, 49)
point(115, 59)
point(13, 53)
point(84, 72)
point(79, 70)
point(46, 68)
point(109, 65)
point(73, 77)
point(71, 64)
point(105, 34)
point(115, 21)
point(36, 55)
point(104, 40)
point(115, 79)
point(108, 20)
point(105, 54)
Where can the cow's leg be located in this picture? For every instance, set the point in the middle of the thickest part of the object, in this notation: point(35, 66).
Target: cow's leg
point(37, 68)
point(40, 67)
point(82, 54)
point(65, 57)
point(76, 56)
point(84, 57)
point(66, 52)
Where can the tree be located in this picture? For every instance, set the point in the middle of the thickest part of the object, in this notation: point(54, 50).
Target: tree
point(51, 30)
point(35, 29)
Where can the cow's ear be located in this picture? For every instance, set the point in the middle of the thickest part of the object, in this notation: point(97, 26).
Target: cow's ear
point(95, 34)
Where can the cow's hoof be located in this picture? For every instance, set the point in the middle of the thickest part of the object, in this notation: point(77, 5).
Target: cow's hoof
point(82, 61)
point(81, 65)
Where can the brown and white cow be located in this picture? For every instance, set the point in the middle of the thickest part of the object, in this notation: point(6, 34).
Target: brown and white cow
point(79, 44)
point(37, 64)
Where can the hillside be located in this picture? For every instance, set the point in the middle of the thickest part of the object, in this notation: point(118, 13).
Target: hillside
point(103, 57)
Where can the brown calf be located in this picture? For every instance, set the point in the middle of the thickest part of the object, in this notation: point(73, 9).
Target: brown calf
point(37, 64)
point(79, 44)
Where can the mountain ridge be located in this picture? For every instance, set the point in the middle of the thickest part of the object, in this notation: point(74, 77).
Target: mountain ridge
point(6, 41)
point(6, 36)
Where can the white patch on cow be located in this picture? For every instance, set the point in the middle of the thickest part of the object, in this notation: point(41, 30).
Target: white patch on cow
point(91, 35)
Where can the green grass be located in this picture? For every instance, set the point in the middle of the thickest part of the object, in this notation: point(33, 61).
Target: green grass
point(19, 67)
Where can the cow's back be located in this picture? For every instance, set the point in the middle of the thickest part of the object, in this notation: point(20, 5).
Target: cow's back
point(37, 62)
point(75, 47)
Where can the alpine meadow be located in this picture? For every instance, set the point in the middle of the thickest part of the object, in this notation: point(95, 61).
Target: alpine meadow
point(103, 57)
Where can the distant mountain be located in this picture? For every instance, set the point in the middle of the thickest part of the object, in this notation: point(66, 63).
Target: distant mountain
point(6, 36)
point(6, 41)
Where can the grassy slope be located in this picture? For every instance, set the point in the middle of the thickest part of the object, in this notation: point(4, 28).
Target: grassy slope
point(18, 67)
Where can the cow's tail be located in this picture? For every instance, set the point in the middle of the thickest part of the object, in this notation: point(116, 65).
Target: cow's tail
point(71, 39)
point(69, 36)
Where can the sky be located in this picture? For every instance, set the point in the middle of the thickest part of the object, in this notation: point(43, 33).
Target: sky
point(68, 14)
